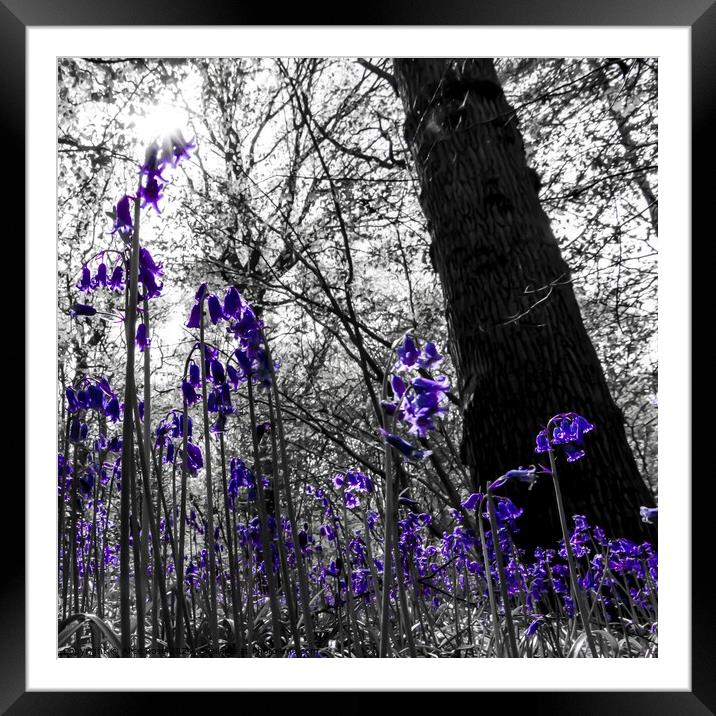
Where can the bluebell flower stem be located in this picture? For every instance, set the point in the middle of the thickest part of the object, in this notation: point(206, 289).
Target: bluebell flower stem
point(574, 579)
point(499, 561)
point(300, 566)
point(209, 536)
point(265, 533)
point(128, 441)
point(229, 533)
point(159, 568)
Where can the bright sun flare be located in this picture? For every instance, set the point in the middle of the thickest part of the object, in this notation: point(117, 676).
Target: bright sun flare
point(158, 121)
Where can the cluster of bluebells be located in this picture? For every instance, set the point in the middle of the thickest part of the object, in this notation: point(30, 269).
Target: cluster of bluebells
point(565, 431)
point(242, 325)
point(90, 395)
point(171, 429)
point(418, 396)
point(159, 156)
point(352, 484)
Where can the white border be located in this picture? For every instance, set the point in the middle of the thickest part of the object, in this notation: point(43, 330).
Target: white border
point(671, 671)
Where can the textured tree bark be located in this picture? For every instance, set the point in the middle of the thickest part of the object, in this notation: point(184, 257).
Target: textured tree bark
point(517, 338)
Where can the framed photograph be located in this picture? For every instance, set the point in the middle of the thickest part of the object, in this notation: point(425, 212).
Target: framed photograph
point(358, 342)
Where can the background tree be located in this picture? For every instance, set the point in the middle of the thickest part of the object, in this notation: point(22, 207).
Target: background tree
point(518, 342)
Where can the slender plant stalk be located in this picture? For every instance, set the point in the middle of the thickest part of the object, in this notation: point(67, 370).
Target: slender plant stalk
point(127, 441)
point(265, 534)
point(300, 566)
point(209, 535)
point(501, 574)
point(179, 559)
point(576, 590)
point(233, 575)
point(159, 568)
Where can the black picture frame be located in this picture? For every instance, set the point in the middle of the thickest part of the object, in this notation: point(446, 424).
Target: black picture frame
point(699, 15)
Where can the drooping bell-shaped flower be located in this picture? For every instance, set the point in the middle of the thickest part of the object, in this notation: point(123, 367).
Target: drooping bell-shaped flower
point(95, 397)
point(142, 337)
point(573, 452)
point(216, 313)
point(189, 394)
point(527, 475)
point(407, 353)
point(148, 273)
point(175, 148)
point(220, 425)
point(217, 372)
point(78, 431)
point(151, 193)
point(232, 303)
point(194, 374)
point(112, 409)
point(408, 451)
point(116, 281)
point(542, 442)
point(194, 317)
point(85, 283)
point(429, 357)
point(100, 278)
point(472, 501)
point(123, 216)
point(153, 165)
point(72, 404)
point(233, 376)
point(194, 458)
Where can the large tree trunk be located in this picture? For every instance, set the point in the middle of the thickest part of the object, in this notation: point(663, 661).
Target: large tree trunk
point(517, 338)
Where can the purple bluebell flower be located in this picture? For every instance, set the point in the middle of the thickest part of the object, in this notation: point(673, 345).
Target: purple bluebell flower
point(216, 312)
point(100, 279)
point(528, 475)
point(232, 303)
point(95, 397)
point(151, 193)
point(85, 283)
point(194, 374)
point(72, 404)
point(532, 627)
point(194, 458)
point(567, 431)
point(472, 501)
point(123, 216)
point(542, 442)
point(359, 482)
point(152, 166)
point(218, 374)
point(112, 409)
point(408, 451)
point(407, 353)
point(573, 452)
point(189, 394)
point(175, 148)
point(78, 431)
point(429, 357)
point(142, 337)
point(148, 273)
point(116, 281)
point(194, 320)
